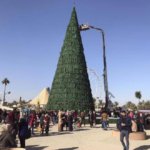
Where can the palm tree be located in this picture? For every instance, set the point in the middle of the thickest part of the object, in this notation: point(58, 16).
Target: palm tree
point(138, 95)
point(5, 82)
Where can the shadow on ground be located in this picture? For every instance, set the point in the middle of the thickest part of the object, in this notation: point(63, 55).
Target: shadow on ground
point(52, 134)
point(70, 148)
point(80, 129)
point(35, 147)
point(112, 128)
point(148, 137)
point(59, 133)
point(144, 147)
point(96, 126)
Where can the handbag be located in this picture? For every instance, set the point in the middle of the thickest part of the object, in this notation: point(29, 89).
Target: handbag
point(28, 134)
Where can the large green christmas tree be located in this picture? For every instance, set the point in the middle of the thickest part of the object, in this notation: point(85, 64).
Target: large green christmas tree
point(71, 87)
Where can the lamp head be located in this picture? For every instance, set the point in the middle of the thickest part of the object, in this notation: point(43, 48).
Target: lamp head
point(84, 27)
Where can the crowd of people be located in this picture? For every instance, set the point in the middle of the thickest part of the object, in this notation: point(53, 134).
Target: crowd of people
point(22, 125)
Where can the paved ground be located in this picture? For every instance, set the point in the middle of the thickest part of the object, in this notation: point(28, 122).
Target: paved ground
point(85, 138)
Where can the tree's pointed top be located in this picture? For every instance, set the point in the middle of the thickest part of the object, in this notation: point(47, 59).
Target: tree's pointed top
point(73, 28)
point(73, 21)
point(74, 9)
point(74, 14)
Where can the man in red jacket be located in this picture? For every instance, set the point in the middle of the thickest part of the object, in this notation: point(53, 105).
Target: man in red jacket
point(32, 119)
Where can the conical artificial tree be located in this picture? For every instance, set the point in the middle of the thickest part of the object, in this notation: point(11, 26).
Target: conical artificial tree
point(71, 87)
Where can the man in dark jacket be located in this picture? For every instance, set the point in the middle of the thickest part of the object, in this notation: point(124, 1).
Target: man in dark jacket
point(23, 132)
point(124, 125)
point(70, 121)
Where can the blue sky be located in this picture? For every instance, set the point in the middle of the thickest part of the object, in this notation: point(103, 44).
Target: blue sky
point(32, 34)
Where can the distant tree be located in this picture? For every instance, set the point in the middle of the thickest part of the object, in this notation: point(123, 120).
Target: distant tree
point(147, 105)
point(23, 102)
point(144, 105)
point(141, 105)
point(115, 104)
point(130, 105)
point(138, 95)
point(5, 82)
point(14, 102)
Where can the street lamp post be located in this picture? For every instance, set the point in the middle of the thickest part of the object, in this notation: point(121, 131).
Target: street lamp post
point(85, 27)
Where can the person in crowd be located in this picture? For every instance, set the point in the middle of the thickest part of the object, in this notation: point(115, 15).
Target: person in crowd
point(64, 120)
point(82, 118)
point(134, 125)
point(70, 121)
point(32, 119)
point(4, 116)
point(7, 139)
point(42, 124)
point(104, 120)
point(1, 111)
point(131, 114)
point(37, 123)
point(140, 122)
point(147, 121)
point(91, 118)
point(22, 131)
point(60, 121)
point(52, 117)
point(11, 117)
point(46, 123)
point(75, 116)
point(94, 118)
point(55, 120)
point(124, 125)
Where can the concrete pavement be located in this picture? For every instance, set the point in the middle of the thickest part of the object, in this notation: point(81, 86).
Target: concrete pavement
point(85, 138)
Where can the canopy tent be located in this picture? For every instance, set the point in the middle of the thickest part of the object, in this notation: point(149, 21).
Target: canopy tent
point(42, 98)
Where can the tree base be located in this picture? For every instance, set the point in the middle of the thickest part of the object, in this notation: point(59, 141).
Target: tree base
point(132, 136)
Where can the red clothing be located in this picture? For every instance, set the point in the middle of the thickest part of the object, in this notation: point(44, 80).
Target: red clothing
point(46, 120)
point(11, 117)
point(131, 115)
point(32, 119)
